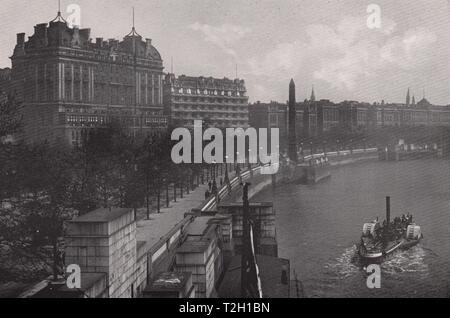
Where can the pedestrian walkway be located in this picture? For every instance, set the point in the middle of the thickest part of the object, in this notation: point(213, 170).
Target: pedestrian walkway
point(152, 230)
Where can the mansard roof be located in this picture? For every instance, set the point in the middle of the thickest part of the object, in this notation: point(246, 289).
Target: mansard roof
point(202, 82)
point(57, 33)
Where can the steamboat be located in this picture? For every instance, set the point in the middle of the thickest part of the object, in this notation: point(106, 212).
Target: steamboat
point(380, 240)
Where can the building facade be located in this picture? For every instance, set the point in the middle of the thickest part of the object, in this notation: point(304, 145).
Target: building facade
point(67, 83)
point(5, 80)
point(220, 103)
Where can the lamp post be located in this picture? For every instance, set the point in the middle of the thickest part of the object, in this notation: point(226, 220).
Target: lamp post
point(226, 168)
point(167, 192)
point(188, 183)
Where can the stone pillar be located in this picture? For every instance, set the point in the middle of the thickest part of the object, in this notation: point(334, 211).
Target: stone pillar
point(104, 241)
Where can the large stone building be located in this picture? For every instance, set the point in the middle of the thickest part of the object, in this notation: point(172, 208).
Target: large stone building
point(221, 103)
point(68, 82)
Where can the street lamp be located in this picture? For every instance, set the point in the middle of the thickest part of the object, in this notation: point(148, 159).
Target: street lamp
point(260, 151)
point(226, 168)
point(165, 181)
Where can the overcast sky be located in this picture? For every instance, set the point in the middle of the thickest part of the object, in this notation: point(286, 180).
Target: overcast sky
point(322, 43)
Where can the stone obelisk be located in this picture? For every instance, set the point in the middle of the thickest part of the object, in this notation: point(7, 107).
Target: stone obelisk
point(292, 150)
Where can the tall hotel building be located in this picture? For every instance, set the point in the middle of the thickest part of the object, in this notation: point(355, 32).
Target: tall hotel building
point(68, 83)
point(220, 103)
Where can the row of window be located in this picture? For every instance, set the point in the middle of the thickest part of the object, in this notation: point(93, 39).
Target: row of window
point(217, 122)
point(102, 119)
point(208, 109)
point(208, 100)
point(416, 116)
point(331, 115)
point(213, 115)
point(198, 91)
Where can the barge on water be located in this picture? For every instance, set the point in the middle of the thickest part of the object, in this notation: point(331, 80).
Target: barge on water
point(378, 241)
point(316, 168)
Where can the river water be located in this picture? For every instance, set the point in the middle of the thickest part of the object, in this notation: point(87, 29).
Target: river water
point(318, 227)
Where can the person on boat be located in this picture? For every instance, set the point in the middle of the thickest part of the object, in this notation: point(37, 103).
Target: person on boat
point(404, 219)
point(378, 232)
point(396, 221)
point(363, 245)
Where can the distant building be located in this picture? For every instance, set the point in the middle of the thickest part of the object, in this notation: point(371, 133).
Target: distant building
point(316, 117)
point(221, 103)
point(5, 80)
point(68, 83)
point(270, 115)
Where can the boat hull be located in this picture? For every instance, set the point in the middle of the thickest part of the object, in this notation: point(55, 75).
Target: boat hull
point(380, 256)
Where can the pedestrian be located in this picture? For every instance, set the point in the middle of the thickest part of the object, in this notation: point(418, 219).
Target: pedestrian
point(214, 187)
point(209, 185)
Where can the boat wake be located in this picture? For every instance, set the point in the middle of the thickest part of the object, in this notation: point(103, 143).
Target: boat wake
point(407, 261)
point(344, 266)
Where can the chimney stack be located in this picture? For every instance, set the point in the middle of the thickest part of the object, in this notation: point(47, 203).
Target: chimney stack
point(99, 42)
point(148, 45)
point(284, 275)
point(20, 38)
